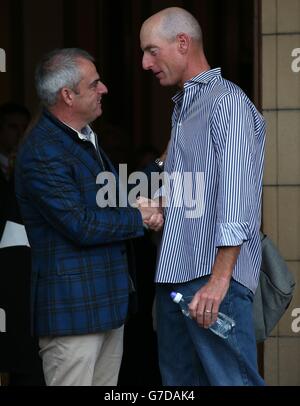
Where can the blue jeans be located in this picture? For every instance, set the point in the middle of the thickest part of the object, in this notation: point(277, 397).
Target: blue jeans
point(190, 355)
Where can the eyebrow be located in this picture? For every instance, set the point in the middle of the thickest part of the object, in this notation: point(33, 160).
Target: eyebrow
point(94, 82)
point(148, 47)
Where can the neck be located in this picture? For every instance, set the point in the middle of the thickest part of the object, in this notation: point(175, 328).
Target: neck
point(67, 117)
point(197, 64)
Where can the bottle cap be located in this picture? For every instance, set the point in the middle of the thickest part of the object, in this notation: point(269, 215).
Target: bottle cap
point(176, 296)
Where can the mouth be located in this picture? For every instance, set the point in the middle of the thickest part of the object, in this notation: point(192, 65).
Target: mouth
point(158, 74)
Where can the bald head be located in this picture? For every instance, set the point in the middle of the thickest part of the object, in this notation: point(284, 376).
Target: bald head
point(170, 22)
point(171, 41)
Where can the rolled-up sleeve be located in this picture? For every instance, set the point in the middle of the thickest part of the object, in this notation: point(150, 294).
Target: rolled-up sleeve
point(234, 140)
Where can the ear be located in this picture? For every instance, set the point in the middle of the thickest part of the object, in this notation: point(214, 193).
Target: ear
point(183, 42)
point(67, 96)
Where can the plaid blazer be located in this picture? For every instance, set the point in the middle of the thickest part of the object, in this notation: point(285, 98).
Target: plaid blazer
point(80, 280)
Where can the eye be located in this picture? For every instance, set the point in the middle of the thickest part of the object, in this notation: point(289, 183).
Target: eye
point(153, 51)
point(95, 84)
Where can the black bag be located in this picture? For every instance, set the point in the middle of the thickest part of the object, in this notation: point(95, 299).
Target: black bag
point(274, 292)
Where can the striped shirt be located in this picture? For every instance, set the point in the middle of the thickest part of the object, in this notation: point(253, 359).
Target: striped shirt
point(217, 137)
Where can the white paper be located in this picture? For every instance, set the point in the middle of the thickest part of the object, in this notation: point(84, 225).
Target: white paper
point(14, 234)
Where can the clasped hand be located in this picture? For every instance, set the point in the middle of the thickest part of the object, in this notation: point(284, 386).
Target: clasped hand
point(151, 212)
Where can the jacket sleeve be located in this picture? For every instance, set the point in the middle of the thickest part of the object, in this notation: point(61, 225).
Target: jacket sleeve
point(48, 181)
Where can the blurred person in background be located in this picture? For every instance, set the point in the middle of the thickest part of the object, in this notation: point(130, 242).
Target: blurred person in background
point(18, 349)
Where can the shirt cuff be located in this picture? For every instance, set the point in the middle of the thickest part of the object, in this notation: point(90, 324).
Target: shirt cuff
point(232, 234)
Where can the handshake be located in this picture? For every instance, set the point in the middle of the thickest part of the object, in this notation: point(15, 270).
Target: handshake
point(151, 212)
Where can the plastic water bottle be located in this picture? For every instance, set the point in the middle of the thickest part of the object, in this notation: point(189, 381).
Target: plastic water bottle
point(222, 326)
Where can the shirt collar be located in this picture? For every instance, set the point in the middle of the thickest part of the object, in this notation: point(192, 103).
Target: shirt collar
point(86, 133)
point(201, 78)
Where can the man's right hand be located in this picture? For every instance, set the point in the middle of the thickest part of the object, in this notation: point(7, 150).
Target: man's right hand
point(151, 212)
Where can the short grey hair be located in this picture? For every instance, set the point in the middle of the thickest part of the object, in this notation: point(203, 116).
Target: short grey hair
point(58, 69)
point(176, 20)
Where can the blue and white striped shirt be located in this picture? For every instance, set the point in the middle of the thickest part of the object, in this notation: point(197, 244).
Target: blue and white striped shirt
point(218, 134)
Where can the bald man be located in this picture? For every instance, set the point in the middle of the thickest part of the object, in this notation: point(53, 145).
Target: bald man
point(213, 254)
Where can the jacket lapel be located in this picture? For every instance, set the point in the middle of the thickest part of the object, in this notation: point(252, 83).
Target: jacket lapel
point(84, 152)
point(81, 149)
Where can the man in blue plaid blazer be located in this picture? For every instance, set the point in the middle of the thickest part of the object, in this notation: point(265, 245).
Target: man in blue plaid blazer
point(80, 280)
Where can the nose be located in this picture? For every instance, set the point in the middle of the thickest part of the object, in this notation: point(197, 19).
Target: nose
point(147, 62)
point(102, 88)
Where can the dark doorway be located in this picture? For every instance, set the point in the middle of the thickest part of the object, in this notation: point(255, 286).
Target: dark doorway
point(136, 110)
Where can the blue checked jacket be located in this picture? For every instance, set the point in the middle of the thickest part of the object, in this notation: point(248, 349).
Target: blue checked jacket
point(80, 281)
